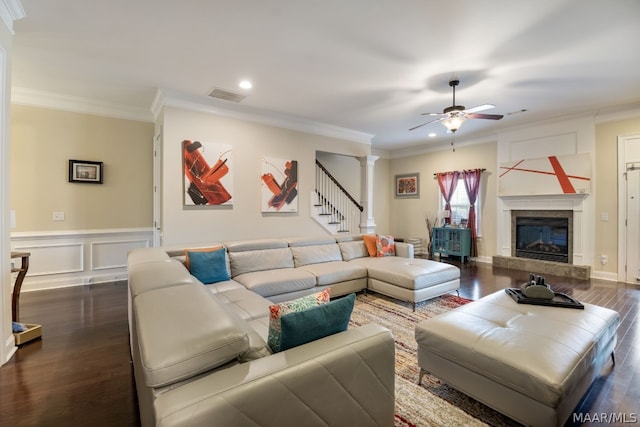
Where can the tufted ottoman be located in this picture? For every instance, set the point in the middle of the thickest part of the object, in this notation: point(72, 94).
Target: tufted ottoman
point(532, 363)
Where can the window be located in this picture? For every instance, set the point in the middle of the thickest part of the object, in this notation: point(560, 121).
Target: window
point(460, 206)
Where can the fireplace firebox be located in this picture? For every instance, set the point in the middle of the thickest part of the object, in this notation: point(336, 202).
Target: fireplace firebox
point(543, 235)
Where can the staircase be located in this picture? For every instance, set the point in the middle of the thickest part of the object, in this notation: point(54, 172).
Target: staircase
point(332, 206)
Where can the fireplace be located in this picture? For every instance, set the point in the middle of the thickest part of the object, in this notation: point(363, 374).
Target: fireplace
point(542, 235)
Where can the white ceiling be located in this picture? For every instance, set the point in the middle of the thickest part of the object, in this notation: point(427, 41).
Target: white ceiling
point(368, 65)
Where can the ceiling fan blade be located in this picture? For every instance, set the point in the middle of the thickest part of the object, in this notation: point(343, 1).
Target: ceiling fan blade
point(424, 124)
point(485, 116)
point(481, 108)
point(431, 114)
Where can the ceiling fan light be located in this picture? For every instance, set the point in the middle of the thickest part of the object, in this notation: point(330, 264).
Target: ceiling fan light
point(453, 123)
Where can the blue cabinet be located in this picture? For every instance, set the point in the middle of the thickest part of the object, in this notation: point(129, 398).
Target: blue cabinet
point(452, 241)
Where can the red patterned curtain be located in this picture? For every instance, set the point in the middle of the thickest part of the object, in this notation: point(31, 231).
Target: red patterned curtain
point(447, 182)
point(472, 185)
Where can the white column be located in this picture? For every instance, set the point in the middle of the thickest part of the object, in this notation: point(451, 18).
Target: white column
point(367, 222)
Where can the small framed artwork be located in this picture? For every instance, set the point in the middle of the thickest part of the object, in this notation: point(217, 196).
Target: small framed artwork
point(85, 171)
point(408, 186)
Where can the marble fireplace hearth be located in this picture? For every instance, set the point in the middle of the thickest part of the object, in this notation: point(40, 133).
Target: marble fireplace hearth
point(543, 267)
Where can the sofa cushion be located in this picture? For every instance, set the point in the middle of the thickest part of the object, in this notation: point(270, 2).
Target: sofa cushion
point(311, 241)
point(208, 266)
point(328, 273)
point(258, 347)
point(144, 277)
point(259, 260)
point(316, 322)
point(275, 282)
point(171, 352)
point(276, 311)
point(256, 245)
point(304, 255)
point(353, 249)
point(248, 305)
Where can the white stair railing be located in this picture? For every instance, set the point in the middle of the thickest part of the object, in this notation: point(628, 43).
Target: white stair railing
point(335, 203)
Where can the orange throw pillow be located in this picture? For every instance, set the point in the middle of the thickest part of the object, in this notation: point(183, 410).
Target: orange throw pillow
point(370, 243)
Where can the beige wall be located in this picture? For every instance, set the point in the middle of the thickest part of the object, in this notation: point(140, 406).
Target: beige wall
point(250, 142)
point(44, 140)
point(407, 216)
point(606, 189)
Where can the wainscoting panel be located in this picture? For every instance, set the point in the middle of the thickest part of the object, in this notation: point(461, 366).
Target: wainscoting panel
point(74, 258)
point(113, 254)
point(50, 259)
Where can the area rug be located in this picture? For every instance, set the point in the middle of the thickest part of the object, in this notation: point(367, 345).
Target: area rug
point(433, 403)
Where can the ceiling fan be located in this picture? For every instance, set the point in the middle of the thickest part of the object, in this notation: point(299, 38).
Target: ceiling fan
point(454, 116)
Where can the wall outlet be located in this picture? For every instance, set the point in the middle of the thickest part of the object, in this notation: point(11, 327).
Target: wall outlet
point(604, 259)
point(58, 216)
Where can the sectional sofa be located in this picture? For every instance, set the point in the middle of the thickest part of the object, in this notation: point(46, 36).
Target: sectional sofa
point(200, 352)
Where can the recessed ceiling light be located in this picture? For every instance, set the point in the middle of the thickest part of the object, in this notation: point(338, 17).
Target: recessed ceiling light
point(245, 84)
point(433, 135)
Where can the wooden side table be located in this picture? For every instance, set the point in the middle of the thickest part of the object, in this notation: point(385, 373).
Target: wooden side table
point(22, 272)
point(33, 331)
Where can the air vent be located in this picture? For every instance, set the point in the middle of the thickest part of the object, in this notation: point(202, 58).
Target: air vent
point(226, 95)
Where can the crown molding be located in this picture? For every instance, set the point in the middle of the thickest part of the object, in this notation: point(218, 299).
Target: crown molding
point(170, 98)
point(11, 10)
point(54, 101)
point(628, 112)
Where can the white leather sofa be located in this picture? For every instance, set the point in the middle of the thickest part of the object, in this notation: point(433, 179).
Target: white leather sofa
point(200, 358)
point(285, 269)
point(199, 351)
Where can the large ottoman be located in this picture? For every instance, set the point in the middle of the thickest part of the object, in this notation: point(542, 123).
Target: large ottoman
point(532, 363)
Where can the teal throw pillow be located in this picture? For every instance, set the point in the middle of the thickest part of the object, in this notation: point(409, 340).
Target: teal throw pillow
point(208, 266)
point(316, 322)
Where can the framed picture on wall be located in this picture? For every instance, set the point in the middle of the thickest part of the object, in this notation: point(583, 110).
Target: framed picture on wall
point(407, 186)
point(279, 182)
point(85, 171)
point(207, 173)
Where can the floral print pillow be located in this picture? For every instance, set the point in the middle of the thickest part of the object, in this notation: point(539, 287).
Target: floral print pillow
point(276, 311)
point(385, 246)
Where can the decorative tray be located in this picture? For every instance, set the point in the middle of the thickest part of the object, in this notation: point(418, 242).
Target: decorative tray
point(559, 300)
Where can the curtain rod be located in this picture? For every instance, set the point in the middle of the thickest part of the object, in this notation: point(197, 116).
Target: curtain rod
point(481, 170)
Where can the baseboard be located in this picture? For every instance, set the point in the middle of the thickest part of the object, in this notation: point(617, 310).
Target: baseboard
point(604, 275)
point(45, 283)
point(9, 349)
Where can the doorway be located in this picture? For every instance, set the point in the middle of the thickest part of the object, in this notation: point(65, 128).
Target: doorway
point(629, 209)
point(633, 223)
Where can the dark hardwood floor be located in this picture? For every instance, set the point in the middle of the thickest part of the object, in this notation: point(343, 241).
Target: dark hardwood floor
point(79, 373)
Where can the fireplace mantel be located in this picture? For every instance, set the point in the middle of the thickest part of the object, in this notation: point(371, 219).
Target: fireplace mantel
point(578, 203)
